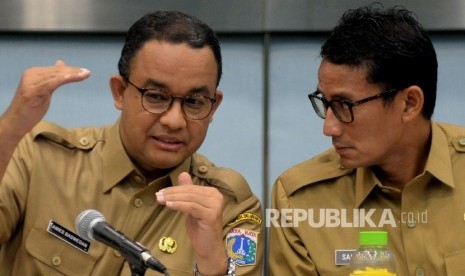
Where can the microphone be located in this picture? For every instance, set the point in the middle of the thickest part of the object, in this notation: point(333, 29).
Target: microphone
point(91, 225)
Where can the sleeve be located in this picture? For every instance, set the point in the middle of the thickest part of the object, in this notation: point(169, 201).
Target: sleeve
point(244, 236)
point(288, 255)
point(243, 229)
point(14, 189)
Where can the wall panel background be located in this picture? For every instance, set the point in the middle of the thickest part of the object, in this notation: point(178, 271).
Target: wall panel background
point(270, 48)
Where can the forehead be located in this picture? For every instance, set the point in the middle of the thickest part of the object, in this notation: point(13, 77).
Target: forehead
point(173, 64)
point(168, 53)
point(344, 80)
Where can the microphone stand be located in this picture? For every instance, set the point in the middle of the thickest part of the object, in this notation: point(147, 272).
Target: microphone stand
point(133, 255)
point(137, 269)
point(138, 266)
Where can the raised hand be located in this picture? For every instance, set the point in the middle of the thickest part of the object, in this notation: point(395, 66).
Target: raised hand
point(31, 102)
point(34, 92)
point(203, 207)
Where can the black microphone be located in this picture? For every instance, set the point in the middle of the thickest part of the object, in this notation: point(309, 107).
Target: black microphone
point(91, 225)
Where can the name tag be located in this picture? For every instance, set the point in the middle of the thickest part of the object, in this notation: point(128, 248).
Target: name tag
point(68, 236)
point(343, 256)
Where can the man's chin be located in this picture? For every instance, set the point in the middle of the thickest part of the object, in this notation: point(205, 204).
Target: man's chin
point(348, 164)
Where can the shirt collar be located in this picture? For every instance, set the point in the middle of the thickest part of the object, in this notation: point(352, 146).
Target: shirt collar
point(183, 167)
point(117, 164)
point(365, 181)
point(438, 164)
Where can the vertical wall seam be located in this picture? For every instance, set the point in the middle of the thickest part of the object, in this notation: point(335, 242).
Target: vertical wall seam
point(266, 105)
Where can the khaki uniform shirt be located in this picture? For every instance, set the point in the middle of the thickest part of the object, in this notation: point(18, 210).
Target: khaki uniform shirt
point(55, 174)
point(425, 222)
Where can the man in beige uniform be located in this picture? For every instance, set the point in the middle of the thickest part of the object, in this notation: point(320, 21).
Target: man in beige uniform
point(391, 168)
point(142, 173)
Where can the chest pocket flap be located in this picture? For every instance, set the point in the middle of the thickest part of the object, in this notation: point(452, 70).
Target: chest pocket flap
point(56, 254)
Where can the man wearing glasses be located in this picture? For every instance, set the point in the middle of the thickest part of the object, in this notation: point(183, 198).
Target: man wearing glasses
point(390, 168)
point(143, 173)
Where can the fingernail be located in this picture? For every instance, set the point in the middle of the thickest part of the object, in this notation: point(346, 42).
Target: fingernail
point(83, 71)
point(160, 196)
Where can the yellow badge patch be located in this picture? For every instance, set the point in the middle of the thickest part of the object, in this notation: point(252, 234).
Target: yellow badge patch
point(247, 216)
point(167, 244)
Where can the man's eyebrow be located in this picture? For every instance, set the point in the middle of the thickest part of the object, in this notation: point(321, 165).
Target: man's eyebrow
point(200, 90)
point(337, 95)
point(152, 83)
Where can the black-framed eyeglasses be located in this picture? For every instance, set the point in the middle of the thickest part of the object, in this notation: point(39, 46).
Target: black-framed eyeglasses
point(341, 108)
point(156, 101)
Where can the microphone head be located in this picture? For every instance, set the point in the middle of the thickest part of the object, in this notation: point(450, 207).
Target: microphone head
point(85, 222)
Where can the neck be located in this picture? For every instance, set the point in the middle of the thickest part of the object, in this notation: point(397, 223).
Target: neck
point(410, 160)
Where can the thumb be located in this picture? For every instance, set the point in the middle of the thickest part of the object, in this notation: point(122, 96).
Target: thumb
point(184, 179)
point(60, 63)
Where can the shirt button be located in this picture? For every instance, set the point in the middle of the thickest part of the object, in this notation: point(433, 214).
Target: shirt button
point(117, 253)
point(462, 141)
point(56, 261)
point(138, 202)
point(419, 272)
point(411, 223)
point(84, 141)
point(203, 169)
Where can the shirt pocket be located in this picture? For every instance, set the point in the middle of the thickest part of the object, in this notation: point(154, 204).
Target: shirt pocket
point(454, 263)
point(58, 255)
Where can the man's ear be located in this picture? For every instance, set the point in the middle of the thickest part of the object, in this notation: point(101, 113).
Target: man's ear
point(413, 102)
point(219, 98)
point(117, 86)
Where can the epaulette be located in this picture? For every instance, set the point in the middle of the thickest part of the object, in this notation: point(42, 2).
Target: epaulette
point(81, 138)
point(324, 166)
point(459, 144)
point(455, 133)
point(225, 179)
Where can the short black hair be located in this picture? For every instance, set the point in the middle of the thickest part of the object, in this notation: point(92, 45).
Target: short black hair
point(392, 44)
point(170, 26)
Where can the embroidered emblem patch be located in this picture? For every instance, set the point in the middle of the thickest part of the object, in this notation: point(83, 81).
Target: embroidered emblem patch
point(241, 245)
point(247, 216)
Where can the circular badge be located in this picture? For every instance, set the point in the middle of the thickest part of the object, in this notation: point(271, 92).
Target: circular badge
point(167, 244)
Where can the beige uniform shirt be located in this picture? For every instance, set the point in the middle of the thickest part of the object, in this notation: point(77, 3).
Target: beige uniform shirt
point(425, 223)
point(55, 174)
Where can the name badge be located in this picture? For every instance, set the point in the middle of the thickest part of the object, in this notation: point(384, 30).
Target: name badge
point(67, 236)
point(343, 256)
